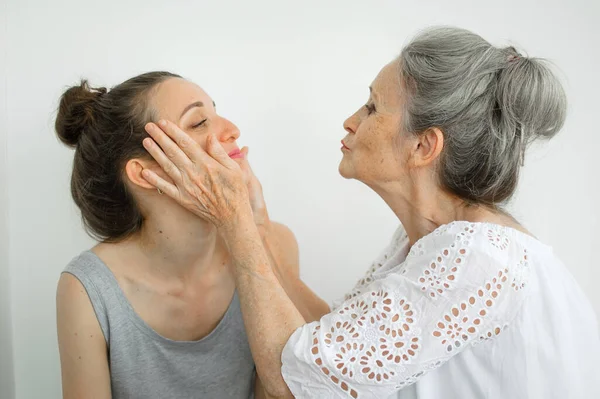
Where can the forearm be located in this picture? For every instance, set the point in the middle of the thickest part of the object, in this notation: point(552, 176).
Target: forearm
point(269, 314)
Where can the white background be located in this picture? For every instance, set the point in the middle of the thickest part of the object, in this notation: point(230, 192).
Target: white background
point(288, 74)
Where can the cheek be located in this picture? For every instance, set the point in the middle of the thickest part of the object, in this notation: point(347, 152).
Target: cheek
point(379, 152)
point(199, 137)
point(202, 136)
point(376, 139)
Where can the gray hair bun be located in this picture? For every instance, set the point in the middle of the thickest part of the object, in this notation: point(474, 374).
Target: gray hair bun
point(490, 103)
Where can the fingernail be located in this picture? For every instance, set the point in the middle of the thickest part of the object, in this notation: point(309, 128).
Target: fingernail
point(148, 126)
point(147, 142)
point(162, 123)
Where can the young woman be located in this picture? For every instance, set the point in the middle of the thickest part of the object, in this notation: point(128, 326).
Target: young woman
point(152, 310)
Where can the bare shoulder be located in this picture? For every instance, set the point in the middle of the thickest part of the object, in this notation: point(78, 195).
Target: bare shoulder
point(70, 292)
point(284, 247)
point(74, 308)
point(82, 347)
point(283, 234)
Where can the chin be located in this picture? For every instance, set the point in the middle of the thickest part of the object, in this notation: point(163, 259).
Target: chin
point(346, 171)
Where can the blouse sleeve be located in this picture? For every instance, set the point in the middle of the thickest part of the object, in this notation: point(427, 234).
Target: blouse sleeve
point(392, 253)
point(456, 288)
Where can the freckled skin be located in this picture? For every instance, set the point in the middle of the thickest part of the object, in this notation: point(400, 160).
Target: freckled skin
point(377, 149)
point(402, 167)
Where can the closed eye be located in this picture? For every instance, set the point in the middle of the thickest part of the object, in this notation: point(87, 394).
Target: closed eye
point(199, 124)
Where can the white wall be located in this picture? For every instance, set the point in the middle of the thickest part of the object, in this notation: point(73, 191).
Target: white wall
point(7, 383)
point(287, 73)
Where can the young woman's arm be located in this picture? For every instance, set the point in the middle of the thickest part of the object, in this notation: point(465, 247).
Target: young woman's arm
point(83, 351)
point(280, 243)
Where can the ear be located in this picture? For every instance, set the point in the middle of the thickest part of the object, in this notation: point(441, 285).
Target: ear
point(134, 168)
point(429, 147)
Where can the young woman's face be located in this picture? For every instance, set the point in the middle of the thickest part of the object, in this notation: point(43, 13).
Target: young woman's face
point(193, 111)
point(187, 105)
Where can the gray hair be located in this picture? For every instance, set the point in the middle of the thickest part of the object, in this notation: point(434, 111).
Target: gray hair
point(489, 102)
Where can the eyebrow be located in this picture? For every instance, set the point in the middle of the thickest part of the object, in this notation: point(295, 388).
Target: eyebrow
point(374, 94)
point(194, 105)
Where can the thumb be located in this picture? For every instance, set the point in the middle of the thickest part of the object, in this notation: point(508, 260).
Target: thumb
point(245, 163)
point(245, 151)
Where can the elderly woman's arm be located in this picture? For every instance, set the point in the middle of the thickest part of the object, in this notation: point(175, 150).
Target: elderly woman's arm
point(282, 248)
point(269, 314)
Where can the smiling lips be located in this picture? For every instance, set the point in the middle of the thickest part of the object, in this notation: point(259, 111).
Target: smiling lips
point(236, 154)
point(344, 147)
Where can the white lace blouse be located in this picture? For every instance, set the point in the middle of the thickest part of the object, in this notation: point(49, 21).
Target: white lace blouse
point(475, 310)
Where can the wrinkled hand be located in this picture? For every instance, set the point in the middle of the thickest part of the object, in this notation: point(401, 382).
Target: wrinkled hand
point(208, 183)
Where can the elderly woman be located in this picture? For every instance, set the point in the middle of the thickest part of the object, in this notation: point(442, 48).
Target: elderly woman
point(464, 302)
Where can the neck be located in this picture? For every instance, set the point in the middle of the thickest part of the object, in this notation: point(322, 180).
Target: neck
point(423, 208)
point(176, 244)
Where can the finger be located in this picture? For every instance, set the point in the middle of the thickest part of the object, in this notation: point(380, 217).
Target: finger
point(244, 164)
point(170, 149)
point(190, 148)
point(160, 183)
point(245, 151)
point(159, 156)
point(217, 151)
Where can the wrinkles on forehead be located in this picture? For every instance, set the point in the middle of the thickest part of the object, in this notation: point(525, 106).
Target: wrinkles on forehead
point(386, 89)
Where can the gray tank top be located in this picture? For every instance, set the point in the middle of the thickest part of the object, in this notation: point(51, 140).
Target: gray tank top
point(144, 364)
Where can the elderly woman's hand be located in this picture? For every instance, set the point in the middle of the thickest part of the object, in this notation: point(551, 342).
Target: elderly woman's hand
point(208, 183)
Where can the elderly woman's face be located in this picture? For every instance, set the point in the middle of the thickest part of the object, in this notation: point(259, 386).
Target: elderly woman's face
point(373, 149)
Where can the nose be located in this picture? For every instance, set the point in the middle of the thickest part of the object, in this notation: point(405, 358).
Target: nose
point(351, 124)
point(229, 131)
